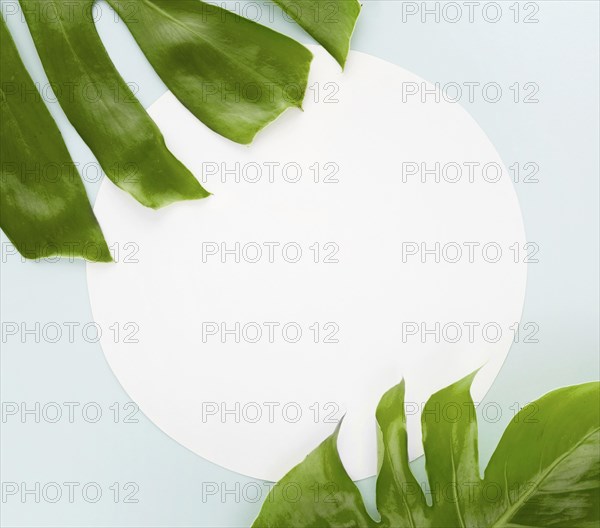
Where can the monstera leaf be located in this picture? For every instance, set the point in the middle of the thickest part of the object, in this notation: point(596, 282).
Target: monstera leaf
point(101, 107)
point(329, 22)
point(44, 209)
point(544, 472)
point(236, 76)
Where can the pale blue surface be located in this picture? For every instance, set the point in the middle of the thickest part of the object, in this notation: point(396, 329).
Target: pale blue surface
point(560, 53)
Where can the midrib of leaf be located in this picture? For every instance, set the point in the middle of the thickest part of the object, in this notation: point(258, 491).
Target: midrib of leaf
point(234, 59)
point(506, 486)
point(510, 512)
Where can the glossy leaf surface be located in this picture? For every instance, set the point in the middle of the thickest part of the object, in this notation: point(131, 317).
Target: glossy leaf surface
point(316, 493)
point(545, 471)
point(329, 22)
point(101, 106)
point(234, 75)
point(400, 499)
point(44, 209)
point(451, 455)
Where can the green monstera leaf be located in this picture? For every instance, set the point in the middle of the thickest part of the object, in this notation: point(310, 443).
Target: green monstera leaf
point(316, 493)
point(233, 74)
point(544, 472)
point(554, 480)
point(236, 76)
point(128, 145)
point(329, 22)
point(44, 209)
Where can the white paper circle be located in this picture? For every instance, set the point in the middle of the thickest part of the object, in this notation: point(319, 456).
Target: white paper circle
point(250, 364)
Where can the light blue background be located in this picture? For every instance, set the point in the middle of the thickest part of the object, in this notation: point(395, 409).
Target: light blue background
point(560, 133)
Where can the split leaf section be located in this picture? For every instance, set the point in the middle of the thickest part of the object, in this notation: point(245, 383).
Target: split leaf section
point(329, 22)
point(233, 74)
point(101, 106)
point(545, 471)
point(44, 209)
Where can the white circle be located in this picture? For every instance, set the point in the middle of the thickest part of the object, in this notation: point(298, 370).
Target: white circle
point(340, 256)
